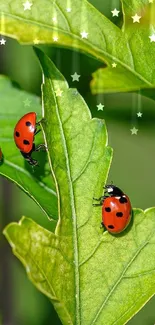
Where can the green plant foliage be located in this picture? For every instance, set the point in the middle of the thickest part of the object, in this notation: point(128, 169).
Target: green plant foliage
point(36, 183)
point(137, 67)
point(90, 276)
point(130, 47)
point(116, 274)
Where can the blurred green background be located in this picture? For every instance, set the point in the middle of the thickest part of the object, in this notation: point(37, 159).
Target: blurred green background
point(132, 167)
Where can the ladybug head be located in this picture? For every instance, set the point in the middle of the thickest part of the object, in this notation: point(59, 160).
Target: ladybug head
point(113, 190)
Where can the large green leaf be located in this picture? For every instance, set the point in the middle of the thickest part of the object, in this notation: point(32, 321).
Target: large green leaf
point(138, 71)
point(130, 48)
point(90, 276)
point(80, 158)
point(36, 183)
point(116, 274)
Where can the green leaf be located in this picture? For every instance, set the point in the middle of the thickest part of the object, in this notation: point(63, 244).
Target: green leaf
point(90, 276)
point(130, 47)
point(137, 69)
point(37, 25)
point(80, 159)
point(116, 274)
point(36, 183)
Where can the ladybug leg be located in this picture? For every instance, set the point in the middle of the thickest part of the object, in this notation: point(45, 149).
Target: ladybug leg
point(97, 205)
point(36, 131)
point(39, 147)
point(40, 121)
point(102, 225)
point(29, 159)
point(99, 199)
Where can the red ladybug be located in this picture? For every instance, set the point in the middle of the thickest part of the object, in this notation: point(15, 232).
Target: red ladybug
point(24, 133)
point(1, 156)
point(116, 209)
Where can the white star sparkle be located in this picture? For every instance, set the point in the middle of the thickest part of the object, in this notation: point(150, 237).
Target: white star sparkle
point(136, 18)
point(27, 5)
point(55, 38)
point(36, 41)
point(100, 107)
point(134, 131)
point(58, 92)
point(114, 65)
point(115, 12)
point(139, 114)
point(68, 9)
point(84, 34)
point(26, 102)
point(54, 19)
point(75, 76)
point(152, 38)
point(2, 41)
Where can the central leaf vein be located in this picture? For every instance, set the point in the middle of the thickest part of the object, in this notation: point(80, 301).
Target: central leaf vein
point(74, 217)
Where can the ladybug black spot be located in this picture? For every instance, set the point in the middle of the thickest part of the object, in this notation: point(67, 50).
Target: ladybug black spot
point(111, 227)
point(17, 134)
point(123, 199)
point(26, 141)
point(119, 214)
point(28, 123)
point(108, 209)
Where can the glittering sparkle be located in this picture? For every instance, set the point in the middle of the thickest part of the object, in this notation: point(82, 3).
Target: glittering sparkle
point(139, 114)
point(27, 5)
point(36, 41)
point(84, 34)
point(27, 102)
point(115, 12)
point(75, 76)
point(136, 18)
point(134, 131)
point(152, 38)
point(2, 41)
point(55, 38)
point(100, 107)
point(54, 19)
point(58, 92)
point(114, 65)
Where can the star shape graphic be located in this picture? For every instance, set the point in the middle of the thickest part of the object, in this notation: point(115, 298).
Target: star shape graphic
point(54, 19)
point(75, 76)
point(152, 38)
point(2, 41)
point(115, 12)
point(84, 34)
point(27, 5)
point(114, 65)
point(136, 18)
point(68, 9)
point(55, 38)
point(58, 92)
point(36, 41)
point(26, 102)
point(139, 114)
point(134, 131)
point(100, 107)
point(75, 92)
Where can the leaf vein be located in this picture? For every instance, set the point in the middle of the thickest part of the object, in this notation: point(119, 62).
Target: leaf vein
point(117, 283)
point(74, 218)
point(92, 48)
